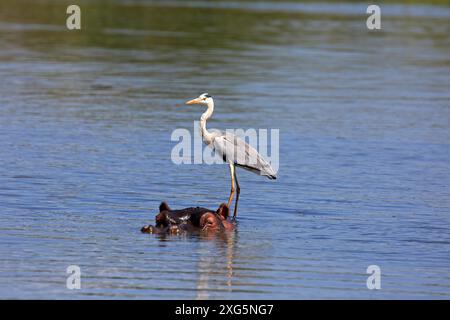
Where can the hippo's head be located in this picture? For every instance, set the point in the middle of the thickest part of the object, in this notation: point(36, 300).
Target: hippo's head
point(190, 219)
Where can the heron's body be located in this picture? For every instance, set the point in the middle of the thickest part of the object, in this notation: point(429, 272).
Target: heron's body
point(232, 149)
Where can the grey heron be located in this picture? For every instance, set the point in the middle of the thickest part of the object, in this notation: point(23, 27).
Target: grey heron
point(232, 149)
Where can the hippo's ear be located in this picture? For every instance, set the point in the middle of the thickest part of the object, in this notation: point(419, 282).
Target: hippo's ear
point(163, 207)
point(223, 211)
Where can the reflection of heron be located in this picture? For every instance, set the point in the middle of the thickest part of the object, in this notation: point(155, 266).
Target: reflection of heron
point(232, 149)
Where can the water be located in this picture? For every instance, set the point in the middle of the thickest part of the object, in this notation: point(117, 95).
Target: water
point(85, 124)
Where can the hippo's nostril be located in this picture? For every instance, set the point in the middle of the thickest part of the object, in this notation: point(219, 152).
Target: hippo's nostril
point(148, 229)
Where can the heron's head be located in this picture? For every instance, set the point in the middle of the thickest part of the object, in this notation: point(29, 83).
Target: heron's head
point(203, 99)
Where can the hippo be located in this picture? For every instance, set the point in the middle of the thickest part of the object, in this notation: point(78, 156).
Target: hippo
point(193, 219)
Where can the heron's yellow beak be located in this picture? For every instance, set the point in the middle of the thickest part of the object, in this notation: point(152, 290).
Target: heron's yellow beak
point(193, 101)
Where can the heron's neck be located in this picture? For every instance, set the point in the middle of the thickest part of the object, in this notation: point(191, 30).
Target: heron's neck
point(206, 135)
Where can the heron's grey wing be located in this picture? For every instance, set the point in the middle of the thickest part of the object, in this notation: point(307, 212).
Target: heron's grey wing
point(219, 146)
point(235, 150)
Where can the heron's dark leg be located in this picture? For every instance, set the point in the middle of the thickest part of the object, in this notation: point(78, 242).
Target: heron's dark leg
point(232, 184)
point(238, 190)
